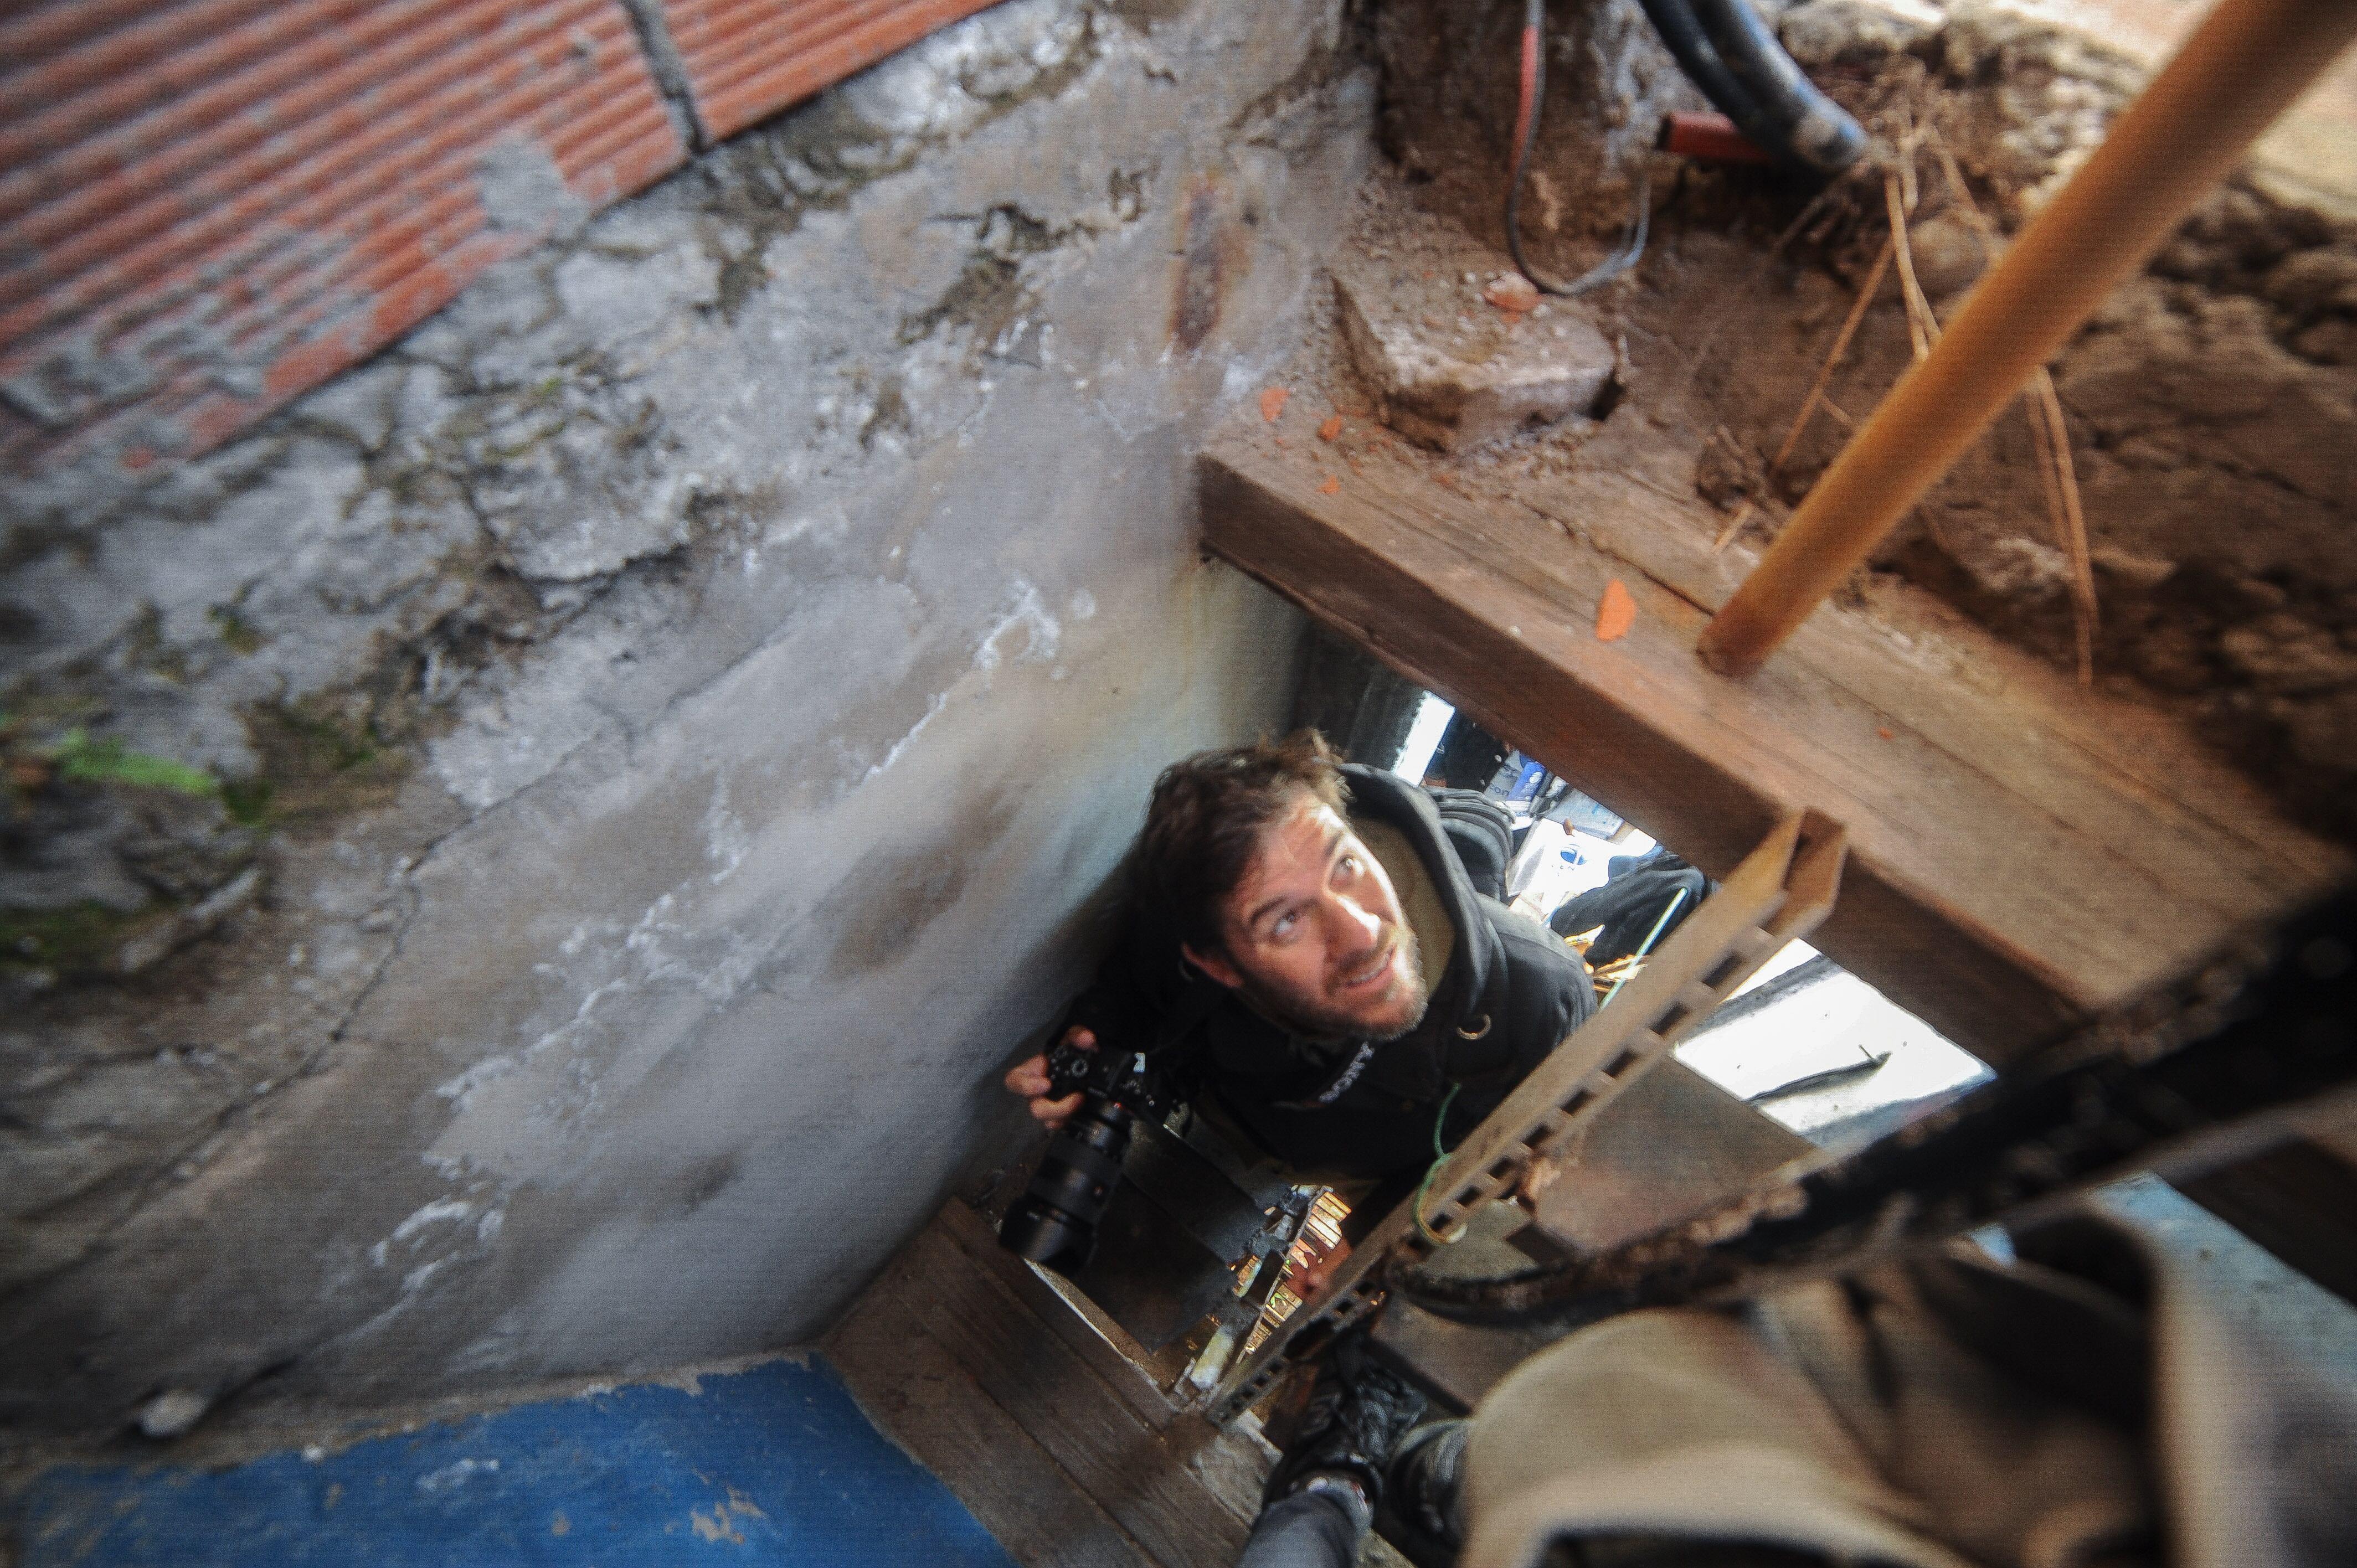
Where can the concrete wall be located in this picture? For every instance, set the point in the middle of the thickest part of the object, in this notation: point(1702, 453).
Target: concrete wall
point(677, 709)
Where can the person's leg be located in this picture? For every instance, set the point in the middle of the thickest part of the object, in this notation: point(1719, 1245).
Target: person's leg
point(1321, 1498)
point(1318, 1526)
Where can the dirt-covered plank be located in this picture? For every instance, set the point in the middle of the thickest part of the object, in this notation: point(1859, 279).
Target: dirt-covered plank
point(1099, 1341)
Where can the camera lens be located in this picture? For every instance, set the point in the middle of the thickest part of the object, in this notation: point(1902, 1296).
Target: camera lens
point(1054, 1223)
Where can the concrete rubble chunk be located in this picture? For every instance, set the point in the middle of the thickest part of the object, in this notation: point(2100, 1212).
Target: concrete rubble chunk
point(1452, 371)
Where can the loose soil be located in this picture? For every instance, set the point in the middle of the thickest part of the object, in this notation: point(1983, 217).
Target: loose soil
point(2210, 405)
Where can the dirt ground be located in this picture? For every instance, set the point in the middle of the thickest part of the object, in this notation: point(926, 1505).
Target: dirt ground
point(2211, 405)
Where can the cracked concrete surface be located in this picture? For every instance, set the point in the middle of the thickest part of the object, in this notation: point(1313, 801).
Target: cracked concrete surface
point(682, 706)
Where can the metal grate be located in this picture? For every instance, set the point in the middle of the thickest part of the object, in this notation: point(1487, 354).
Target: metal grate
point(1779, 893)
point(208, 207)
point(747, 59)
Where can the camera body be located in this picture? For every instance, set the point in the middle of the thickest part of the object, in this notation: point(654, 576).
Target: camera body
point(1121, 1077)
point(1054, 1223)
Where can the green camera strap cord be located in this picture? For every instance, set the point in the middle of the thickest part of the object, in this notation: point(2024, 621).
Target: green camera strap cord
point(1439, 1158)
point(1441, 1152)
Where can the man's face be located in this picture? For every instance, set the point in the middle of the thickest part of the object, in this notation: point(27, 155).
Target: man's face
point(1315, 935)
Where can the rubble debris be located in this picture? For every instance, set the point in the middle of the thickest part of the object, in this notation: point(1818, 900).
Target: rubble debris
point(1512, 291)
point(1452, 382)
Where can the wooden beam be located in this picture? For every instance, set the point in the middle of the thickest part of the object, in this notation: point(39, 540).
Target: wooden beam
point(2021, 852)
point(1129, 1468)
point(914, 1389)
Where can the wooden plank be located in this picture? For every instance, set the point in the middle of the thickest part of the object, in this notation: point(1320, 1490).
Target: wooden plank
point(2021, 852)
point(1123, 1463)
point(1231, 1463)
point(914, 1390)
point(1118, 1364)
point(2298, 1200)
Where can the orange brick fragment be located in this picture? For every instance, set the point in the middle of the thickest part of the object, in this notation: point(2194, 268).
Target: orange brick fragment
point(1512, 292)
point(1886, 732)
point(1332, 486)
point(1330, 429)
point(1272, 402)
point(1617, 614)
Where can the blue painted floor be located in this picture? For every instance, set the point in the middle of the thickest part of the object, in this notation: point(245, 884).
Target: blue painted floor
point(774, 1465)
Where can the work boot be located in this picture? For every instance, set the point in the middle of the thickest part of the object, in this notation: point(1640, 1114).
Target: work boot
point(1357, 1410)
point(1424, 1481)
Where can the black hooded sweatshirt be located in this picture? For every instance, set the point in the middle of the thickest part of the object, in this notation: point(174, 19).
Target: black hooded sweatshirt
point(1346, 1109)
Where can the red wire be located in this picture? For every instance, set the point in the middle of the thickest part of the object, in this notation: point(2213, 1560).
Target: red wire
point(1529, 104)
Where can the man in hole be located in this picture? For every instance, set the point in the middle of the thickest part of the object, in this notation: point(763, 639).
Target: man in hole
point(1307, 953)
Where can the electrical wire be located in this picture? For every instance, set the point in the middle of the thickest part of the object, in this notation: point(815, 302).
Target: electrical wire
point(1439, 1158)
point(1676, 898)
point(1526, 136)
point(1440, 1150)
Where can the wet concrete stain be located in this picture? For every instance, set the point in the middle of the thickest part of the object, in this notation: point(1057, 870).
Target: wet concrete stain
point(878, 912)
point(1205, 265)
point(701, 1184)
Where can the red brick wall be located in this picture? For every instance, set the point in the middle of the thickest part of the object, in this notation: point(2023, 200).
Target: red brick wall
point(748, 58)
point(209, 206)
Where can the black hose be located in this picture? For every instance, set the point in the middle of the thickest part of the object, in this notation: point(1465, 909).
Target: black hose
point(1698, 58)
point(1727, 52)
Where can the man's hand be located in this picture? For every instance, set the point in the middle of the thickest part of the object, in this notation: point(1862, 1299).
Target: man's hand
point(1028, 1079)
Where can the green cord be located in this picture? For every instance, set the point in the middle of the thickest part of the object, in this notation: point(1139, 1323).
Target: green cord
point(1647, 946)
point(1440, 1152)
point(1439, 1158)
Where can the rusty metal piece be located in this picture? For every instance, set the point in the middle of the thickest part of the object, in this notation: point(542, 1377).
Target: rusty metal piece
point(1708, 135)
point(2208, 1068)
point(1674, 1143)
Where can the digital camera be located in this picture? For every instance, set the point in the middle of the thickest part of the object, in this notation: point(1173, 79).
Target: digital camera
point(1054, 1223)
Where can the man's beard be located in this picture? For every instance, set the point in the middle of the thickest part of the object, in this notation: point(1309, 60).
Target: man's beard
point(1318, 1020)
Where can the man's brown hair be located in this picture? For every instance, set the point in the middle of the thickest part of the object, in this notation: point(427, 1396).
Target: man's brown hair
point(1206, 820)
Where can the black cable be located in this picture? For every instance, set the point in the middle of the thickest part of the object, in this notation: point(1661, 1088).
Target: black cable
point(1526, 121)
point(1698, 58)
point(1801, 123)
point(1727, 52)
